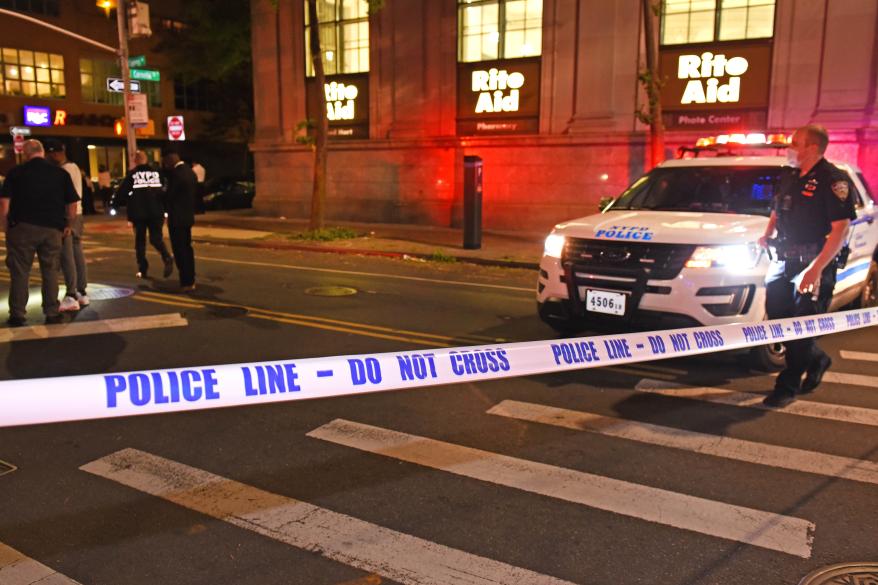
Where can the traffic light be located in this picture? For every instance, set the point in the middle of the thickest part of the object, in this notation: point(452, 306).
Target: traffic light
point(119, 127)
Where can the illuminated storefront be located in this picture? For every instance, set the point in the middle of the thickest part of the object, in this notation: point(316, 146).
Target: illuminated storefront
point(545, 92)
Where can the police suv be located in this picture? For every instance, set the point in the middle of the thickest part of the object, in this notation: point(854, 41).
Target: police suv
point(679, 249)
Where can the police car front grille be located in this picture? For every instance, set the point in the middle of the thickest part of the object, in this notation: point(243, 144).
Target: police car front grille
point(656, 261)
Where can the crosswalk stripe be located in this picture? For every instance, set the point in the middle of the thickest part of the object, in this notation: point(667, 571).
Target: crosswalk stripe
point(851, 379)
point(821, 410)
point(701, 443)
point(92, 327)
point(764, 529)
point(17, 569)
point(372, 548)
point(864, 356)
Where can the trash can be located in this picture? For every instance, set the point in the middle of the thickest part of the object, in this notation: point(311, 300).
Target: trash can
point(472, 202)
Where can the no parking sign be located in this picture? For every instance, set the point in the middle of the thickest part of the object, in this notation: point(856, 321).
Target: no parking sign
point(176, 130)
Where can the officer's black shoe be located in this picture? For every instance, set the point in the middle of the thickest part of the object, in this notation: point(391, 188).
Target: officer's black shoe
point(54, 319)
point(779, 398)
point(169, 267)
point(815, 374)
point(16, 321)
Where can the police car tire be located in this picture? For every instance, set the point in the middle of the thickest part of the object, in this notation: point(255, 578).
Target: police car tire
point(767, 358)
point(869, 294)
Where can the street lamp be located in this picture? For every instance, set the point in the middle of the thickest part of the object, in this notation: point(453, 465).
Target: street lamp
point(107, 5)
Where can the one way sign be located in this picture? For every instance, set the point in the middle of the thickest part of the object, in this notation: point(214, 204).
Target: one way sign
point(116, 85)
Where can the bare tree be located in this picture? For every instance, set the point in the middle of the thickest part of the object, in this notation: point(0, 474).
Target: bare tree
point(649, 79)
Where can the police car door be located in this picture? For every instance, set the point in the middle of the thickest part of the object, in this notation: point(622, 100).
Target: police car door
point(862, 239)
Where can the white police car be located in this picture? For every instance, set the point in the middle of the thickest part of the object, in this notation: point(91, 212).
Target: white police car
point(678, 249)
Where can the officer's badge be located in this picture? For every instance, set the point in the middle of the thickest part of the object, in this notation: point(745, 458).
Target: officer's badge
point(841, 190)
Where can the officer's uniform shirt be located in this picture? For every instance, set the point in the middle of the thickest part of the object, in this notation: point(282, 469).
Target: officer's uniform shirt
point(807, 205)
point(144, 189)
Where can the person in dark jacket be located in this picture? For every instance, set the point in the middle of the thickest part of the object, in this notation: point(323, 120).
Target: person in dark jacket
point(180, 205)
point(37, 208)
point(143, 189)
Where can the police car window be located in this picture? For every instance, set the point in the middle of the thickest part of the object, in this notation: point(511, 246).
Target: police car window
point(745, 190)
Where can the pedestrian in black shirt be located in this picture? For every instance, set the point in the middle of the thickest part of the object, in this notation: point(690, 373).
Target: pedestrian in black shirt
point(180, 205)
point(37, 208)
point(143, 190)
point(813, 209)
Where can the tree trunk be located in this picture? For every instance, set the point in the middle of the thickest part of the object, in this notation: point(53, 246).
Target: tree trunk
point(321, 127)
point(653, 84)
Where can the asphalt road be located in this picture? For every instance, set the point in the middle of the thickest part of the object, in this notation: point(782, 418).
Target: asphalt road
point(622, 475)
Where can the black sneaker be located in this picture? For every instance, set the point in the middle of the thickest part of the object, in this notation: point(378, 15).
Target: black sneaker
point(779, 398)
point(169, 267)
point(54, 319)
point(16, 321)
point(815, 374)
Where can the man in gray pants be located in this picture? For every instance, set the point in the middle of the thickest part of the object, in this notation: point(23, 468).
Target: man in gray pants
point(37, 208)
point(72, 259)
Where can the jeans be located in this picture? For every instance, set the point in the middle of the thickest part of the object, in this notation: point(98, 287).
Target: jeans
point(23, 240)
point(73, 261)
point(154, 226)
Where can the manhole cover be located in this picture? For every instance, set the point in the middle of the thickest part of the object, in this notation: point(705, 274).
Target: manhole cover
point(844, 574)
point(104, 293)
point(6, 468)
point(331, 291)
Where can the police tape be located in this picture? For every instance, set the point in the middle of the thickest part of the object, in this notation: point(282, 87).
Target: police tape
point(48, 400)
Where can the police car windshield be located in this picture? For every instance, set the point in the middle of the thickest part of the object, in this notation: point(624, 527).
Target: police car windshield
point(710, 189)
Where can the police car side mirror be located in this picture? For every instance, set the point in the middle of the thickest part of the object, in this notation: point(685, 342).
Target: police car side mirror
point(605, 202)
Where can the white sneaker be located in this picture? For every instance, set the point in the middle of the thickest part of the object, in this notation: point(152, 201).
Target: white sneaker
point(82, 299)
point(68, 304)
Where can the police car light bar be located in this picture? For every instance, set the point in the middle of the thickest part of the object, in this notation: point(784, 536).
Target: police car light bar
point(727, 142)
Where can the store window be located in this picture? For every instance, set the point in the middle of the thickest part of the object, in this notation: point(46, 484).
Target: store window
point(44, 7)
point(93, 74)
point(31, 73)
point(705, 21)
point(344, 36)
point(499, 29)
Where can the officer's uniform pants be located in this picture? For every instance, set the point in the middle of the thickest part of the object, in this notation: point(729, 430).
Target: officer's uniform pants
point(73, 260)
point(154, 226)
point(23, 240)
point(783, 301)
point(184, 255)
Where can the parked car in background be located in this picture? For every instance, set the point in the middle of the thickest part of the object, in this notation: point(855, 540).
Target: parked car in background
point(228, 193)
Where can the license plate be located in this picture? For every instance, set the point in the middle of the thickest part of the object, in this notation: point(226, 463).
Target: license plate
point(601, 301)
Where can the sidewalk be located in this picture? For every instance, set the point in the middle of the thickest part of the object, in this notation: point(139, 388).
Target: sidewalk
point(245, 228)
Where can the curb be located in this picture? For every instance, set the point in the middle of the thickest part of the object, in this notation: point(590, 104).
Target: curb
point(268, 245)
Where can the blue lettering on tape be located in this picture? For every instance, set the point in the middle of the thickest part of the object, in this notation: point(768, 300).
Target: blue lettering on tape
point(657, 344)
point(617, 348)
point(581, 352)
point(479, 361)
point(363, 371)
point(167, 387)
point(708, 339)
point(680, 341)
point(270, 379)
point(417, 366)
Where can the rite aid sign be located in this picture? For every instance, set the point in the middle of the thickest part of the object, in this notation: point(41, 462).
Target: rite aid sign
point(176, 130)
point(715, 77)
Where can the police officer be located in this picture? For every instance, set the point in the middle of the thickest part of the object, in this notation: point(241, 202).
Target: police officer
point(144, 190)
point(813, 209)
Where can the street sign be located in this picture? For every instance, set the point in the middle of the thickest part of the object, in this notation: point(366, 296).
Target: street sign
point(146, 74)
point(116, 85)
point(138, 115)
point(18, 143)
point(175, 128)
point(22, 130)
point(137, 61)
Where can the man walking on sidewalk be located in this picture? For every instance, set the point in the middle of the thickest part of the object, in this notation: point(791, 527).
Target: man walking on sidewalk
point(72, 258)
point(180, 204)
point(37, 208)
point(143, 190)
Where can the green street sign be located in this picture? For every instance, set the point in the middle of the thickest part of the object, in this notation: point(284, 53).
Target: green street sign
point(137, 61)
point(145, 74)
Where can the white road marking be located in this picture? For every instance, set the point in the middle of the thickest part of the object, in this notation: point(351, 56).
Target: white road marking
point(851, 379)
point(859, 355)
point(822, 410)
point(366, 546)
point(17, 569)
point(786, 534)
point(92, 327)
point(701, 443)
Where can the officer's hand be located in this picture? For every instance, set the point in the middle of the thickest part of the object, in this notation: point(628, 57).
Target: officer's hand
point(810, 284)
point(763, 242)
point(67, 232)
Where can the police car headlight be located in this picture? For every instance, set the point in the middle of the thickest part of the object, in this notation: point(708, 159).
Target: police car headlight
point(554, 246)
point(736, 258)
point(113, 212)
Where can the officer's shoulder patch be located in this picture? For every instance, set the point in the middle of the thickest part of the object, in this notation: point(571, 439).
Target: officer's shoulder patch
point(841, 189)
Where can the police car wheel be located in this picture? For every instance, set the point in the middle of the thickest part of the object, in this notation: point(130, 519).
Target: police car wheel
point(767, 358)
point(869, 296)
